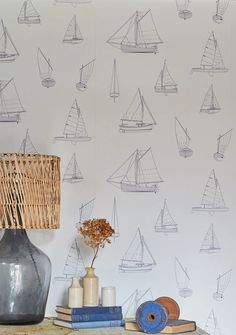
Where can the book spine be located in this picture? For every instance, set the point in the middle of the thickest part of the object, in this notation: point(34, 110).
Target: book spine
point(97, 324)
point(92, 310)
point(93, 317)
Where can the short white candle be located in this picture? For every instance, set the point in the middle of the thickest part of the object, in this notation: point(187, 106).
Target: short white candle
point(108, 296)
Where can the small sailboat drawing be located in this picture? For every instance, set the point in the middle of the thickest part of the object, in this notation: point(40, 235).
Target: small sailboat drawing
point(75, 129)
point(10, 104)
point(73, 34)
point(137, 35)
point(85, 73)
point(183, 9)
point(183, 139)
point(212, 326)
point(165, 83)
point(138, 257)
point(131, 304)
point(28, 14)
point(8, 51)
point(212, 60)
point(45, 70)
point(74, 265)
point(138, 173)
point(114, 220)
point(114, 89)
point(210, 103)
point(221, 6)
point(182, 279)
point(222, 284)
point(85, 212)
point(73, 174)
point(210, 243)
point(27, 146)
point(212, 200)
point(165, 223)
point(138, 117)
point(223, 142)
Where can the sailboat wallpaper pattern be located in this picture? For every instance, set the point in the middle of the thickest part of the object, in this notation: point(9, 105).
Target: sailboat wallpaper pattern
point(138, 99)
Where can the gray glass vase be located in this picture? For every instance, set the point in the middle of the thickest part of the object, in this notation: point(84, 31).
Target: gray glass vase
point(25, 273)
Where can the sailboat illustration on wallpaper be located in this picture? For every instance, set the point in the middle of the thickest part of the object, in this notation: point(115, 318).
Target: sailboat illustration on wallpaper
point(8, 51)
point(75, 129)
point(212, 326)
point(27, 146)
point(165, 223)
point(210, 243)
point(85, 73)
point(182, 279)
point(222, 283)
point(45, 70)
point(212, 200)
point(114, 220)
point(183, 139)
point(138, 257)
point(223, 142)
point(183, 9)
point(210, 104)
point(137, 35)
point(114, 89)
point(131, 304)
point(73, 174)
point(73, 34)
point(74, 3)
point(10, 104)
point(85, 212)
point(138, 117)
point(212, 60)
point(221, 6)
point(165, 83)
point(28, 14)
point(138, 173)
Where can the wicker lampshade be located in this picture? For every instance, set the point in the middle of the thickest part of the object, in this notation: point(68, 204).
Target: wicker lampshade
point(29, 191)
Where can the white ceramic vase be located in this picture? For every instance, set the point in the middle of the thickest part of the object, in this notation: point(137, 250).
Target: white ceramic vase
point(91, 288)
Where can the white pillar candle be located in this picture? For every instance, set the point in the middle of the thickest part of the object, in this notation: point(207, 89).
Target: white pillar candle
point(108, 296)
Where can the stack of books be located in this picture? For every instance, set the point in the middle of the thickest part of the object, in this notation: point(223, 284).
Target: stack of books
point(89, 317)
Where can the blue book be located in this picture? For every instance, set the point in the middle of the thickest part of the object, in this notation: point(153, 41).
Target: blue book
point(89, 317)
point(88, 310)
point(85, 325)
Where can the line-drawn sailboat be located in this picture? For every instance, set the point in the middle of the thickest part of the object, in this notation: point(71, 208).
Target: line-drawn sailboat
point(223, 142)
point(73, 34)
point(138, 116)
point(138, 257)
point(212, 60)
point(210, 104)
point(27, 146)
point(85, 73)
point(165, 83)
point(8, 51)
point(85, 212)
point(138, 173)
point(74, 3)
point(28, 14)
point(114, 89)
point(73, 174)
point(10, 104)
point(165, 223)
point(212, 326)
point(183, 9)
point(131, 304)
point(183, 139)
point(182, 279)
point(221, 6)
point(114, 220)
point(75, 129)
point(210, 243)
point(45, 70)
point(222, 284)
point(212, 200)
point(74, 265)
point(137, 35)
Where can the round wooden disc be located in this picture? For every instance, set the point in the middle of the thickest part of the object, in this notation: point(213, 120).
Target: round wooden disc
point(171, 306)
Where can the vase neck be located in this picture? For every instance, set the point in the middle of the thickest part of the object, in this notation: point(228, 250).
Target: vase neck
point(15, 235)
point(90, 271)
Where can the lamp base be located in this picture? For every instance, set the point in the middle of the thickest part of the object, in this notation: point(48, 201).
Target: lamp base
point(25, 273)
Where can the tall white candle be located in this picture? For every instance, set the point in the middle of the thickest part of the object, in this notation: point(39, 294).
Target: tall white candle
point(108, 296)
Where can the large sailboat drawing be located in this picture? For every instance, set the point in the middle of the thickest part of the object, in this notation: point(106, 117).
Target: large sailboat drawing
point(210, 104)
point(8, 51)
point(131, 304)
point(28, 14)
point(85, 73)
point(137, 35)
point(212, 326)
point(73, 174)
point(212, 200)
point(183, 9)
point(114, 220)
point(45, 70)
point(73, 34)
point(75, 129)
point(183, 139)
point(223, 142)
point(222, 283)
point(27, 146)
point(138, 257)
point(165, 223)
point(138, 173)
point(165, 83)
point(85, 212)
point(221, 6)
point(210, 243)
point(138, 116)
point(114, 88)
point(212, 60)
point(182, 279)
point(10, 104)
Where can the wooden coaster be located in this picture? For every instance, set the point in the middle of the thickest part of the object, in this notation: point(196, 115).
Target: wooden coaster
point(171, 306)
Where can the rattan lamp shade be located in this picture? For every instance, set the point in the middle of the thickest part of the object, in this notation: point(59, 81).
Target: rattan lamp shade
point(29, 191)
